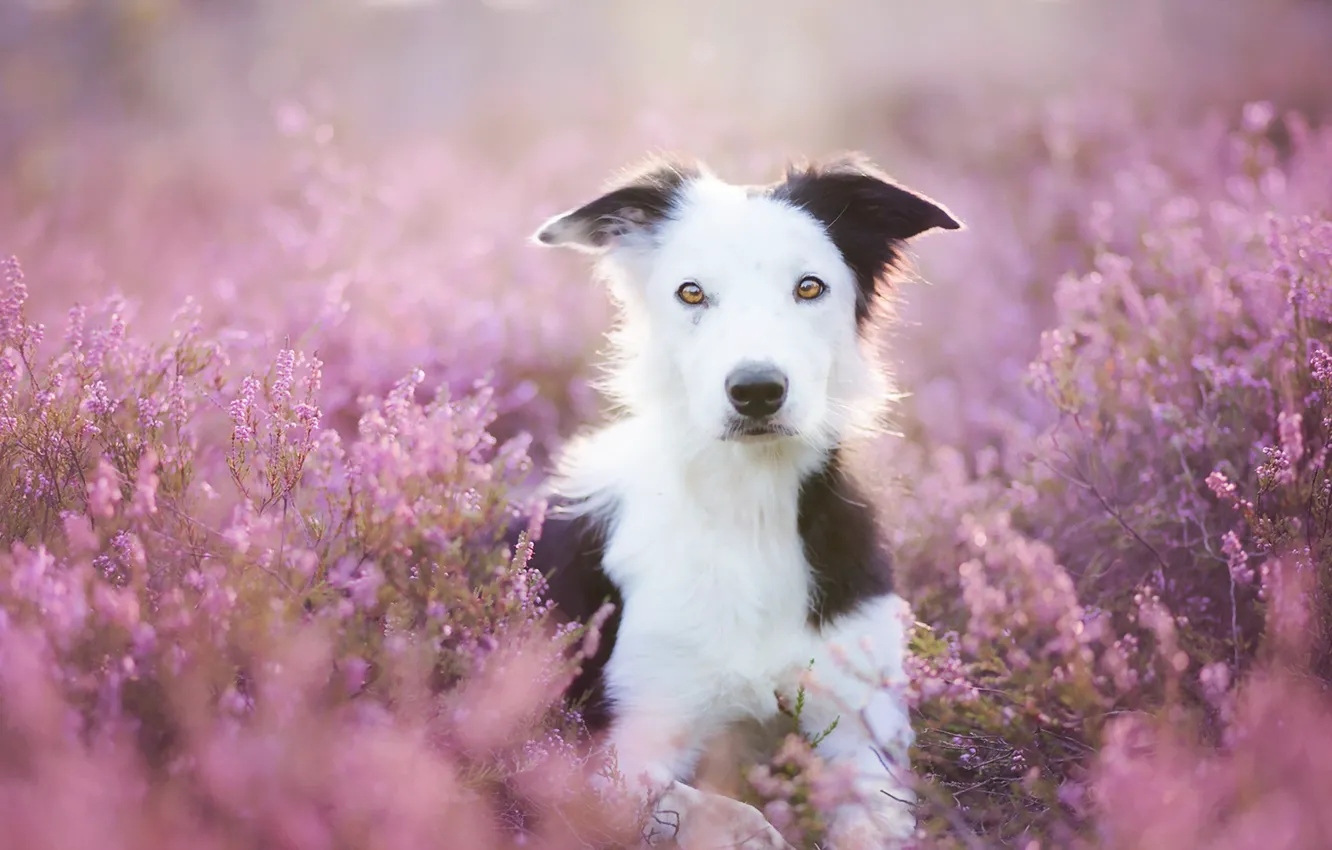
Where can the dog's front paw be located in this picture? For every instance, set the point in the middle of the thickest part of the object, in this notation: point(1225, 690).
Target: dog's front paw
point(697, 820)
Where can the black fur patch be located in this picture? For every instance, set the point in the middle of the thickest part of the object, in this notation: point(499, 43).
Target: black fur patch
point(840, 535)
point(644, 199)
point(569, 554)
point(866, 214)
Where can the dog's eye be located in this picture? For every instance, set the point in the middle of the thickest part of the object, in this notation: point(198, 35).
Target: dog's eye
point(809, 288)
point(691, 294)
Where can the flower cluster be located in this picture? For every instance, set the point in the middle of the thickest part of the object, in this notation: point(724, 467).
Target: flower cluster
point(1160, 538)
point(207, 588)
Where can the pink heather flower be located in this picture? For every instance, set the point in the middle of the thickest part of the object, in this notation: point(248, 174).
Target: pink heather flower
point(59, 594)
point(1222, 486)
point(189, 314)
point(31, 570)
point(1215, 681)
point(282, 382)
point(1320, 367)
point(176, 656)
point(307, 416)
point(943, 678)
point(242, 411)
point(1236, 558)
point(78, 316)
point(8, 383)
point(129, 550)
point(362, 581)
point(240, 531)
point(1152, 614)
point(354, 671)
point(176, 407)
point(150, 413)
point(98, 401)
point(118, 607)
point(110, 340)
point(1287, 589)
point(304, 562)
point(79, 533)
point(1100, 221)
point(769, 785)
point(592, 637)
point(104, 490)
point(1291, 429)
point(234, 703)
point(144, 640)
point(365, 587)
point(1276, 466)
point(1119, 661)
point(12, 298)
point(987, 604)
point(314, 377)
point(144, 500)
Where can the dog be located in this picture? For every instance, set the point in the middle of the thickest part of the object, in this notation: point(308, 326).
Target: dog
point(720, 512)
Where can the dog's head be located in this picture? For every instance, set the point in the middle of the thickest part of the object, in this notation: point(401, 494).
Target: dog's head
point(742, 306)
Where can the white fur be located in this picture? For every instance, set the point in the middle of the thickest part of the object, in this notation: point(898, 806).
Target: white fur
point(675, 359)
point(703, 544)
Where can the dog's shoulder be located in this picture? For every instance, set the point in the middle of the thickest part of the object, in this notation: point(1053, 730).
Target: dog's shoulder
point(839, 531)
point(569, 546)
point(567, 549)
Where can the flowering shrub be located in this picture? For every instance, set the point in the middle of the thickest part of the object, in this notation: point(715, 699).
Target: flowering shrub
point(201, 579)
point(1166, 533)
point(255, 580)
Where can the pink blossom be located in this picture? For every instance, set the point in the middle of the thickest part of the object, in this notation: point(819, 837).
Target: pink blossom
point(104, 494)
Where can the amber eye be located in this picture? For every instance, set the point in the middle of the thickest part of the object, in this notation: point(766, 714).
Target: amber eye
point(690, 293)
point(809, 288)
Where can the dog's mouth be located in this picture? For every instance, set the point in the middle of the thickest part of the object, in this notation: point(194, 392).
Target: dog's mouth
point(756, 429)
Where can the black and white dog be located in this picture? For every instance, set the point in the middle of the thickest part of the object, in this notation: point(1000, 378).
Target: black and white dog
point(718, 511)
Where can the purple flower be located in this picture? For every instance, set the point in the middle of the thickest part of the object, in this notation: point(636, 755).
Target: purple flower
point(242, 410)
point(104, 490)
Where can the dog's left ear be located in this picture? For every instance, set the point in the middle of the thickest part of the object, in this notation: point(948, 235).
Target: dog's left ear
point(630, 209)
point(867, 215)
point(851, 190)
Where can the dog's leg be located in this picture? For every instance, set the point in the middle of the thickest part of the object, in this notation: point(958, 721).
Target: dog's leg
point(857, 681)
point(699, 820)
point(651, 751)
point(652, 748)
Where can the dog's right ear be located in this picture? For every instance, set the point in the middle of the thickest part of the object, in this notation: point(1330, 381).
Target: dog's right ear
point(633, 208)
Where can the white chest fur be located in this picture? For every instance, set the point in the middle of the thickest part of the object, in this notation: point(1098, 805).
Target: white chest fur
point(715, 601)
point(709, 561)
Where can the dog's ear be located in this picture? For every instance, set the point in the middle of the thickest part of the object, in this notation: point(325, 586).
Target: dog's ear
point(634, 206)
point(867, 215)
point(851, 192)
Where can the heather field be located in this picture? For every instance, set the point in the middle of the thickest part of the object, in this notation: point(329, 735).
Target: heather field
point(279, 371)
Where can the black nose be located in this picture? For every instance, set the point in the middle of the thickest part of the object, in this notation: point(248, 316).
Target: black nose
point(756, 391)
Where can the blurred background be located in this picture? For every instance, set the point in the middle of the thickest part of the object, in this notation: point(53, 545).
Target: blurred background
point(205, 73)
point(290, 163)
